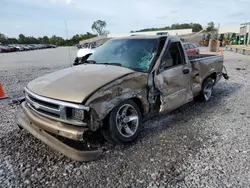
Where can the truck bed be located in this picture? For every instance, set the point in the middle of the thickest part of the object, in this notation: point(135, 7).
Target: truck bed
point(206, 64)
point(201, 57)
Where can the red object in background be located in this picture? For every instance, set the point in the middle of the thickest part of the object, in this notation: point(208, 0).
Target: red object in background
point(191, 48)
point(11, 49)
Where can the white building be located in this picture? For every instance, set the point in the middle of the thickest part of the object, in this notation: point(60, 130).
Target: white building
point(229, 29)
point(104, 38)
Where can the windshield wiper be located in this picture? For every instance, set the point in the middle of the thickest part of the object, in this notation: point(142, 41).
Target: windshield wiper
point(90, 61)
point(118, 64)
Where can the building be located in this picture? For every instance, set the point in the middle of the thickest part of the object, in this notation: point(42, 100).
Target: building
point(229, 29)
point(238, 34)
point(244, 34)
point(96, 41)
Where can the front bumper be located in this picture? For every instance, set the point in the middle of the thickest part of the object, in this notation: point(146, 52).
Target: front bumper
point(39, 127)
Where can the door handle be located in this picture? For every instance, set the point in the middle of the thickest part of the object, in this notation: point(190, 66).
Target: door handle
point(186, 71)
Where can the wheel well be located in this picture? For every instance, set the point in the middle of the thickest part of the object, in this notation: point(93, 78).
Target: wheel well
point(139, 104)
point(213, 76)
point(134, 99)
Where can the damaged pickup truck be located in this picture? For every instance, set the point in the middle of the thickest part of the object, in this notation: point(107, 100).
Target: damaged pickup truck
point(114, 89)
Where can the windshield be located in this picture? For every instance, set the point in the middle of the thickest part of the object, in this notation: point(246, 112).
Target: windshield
point(136, 54)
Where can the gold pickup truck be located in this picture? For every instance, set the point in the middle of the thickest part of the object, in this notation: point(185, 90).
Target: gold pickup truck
point(113, 89)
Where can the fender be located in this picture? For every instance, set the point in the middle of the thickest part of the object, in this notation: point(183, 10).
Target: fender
point(106, 98)
point(208, 74)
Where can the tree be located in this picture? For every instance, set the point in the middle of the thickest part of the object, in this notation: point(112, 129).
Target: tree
point(53, 40)
point(21, 39)
point(45, 40)
point(3, 39)
point(75, 39)
point(99, 26)
point(12, 41)
point(196, 27)
point(210, 27)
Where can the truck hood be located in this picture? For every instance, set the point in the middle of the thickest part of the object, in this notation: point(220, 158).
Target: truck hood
point(74, 84)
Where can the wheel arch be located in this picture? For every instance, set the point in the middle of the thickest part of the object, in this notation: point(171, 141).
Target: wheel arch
point(136, 100)
point(213, 75)
point(139, 103)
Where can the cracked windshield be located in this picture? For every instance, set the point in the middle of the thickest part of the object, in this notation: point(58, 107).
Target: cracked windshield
point(124, 94)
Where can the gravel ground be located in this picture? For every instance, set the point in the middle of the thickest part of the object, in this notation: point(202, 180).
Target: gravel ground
point(198, 145)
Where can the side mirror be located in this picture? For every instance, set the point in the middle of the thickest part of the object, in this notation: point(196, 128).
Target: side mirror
point(81, 60)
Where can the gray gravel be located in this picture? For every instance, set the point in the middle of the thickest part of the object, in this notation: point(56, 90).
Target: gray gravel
point(198, 145)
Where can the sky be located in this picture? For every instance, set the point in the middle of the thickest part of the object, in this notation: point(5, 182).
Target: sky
point(47, 17)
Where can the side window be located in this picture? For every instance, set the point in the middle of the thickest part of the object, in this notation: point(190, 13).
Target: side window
point(186, 46)
point(172, 56)
point(191, 46)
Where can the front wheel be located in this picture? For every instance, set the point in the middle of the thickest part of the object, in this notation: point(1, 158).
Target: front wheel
point(207, 89)
point(123, 124)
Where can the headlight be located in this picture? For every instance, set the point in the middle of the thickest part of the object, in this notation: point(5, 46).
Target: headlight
point(77, 114)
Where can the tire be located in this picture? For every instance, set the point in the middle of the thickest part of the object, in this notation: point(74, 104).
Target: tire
point(123, 124)
point(207, 90)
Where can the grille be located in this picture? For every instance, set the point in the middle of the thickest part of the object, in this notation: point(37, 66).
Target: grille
point(52, 108)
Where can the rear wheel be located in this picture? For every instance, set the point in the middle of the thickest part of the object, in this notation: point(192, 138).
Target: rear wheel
point(207, 90)
point(123, 124)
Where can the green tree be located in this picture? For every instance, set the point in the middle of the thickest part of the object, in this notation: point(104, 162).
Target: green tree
point(99, 27)
point(12, 41)
point(196, 27)
point(75, 39)
point(60, 41)
point(210, 27)
point(39, 39)
point(22, 39)
point(3, 39)
point(31, 40)
point(45, 40)
point(53, 40)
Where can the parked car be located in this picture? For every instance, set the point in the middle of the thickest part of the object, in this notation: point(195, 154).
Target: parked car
point(123, 82)
point(191, 48)
point(79, 46)
point(50, 46)
point(19, 47)
point(26, 48)
point(34, 46)
point(4, 48)
point(30, 47)
point(12, 48)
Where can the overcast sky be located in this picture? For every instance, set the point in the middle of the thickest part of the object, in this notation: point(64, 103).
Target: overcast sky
point(46, 17)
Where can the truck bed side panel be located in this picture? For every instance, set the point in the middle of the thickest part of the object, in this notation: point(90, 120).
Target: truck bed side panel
point(207, 65)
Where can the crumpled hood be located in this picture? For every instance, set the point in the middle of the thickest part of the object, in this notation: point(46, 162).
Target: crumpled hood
point(74, 84)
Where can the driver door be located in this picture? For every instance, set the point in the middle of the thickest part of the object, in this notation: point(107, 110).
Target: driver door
point(173, 79)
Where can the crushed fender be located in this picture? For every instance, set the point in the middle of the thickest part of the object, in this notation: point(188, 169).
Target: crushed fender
point(56, 144)
point(18, 99)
